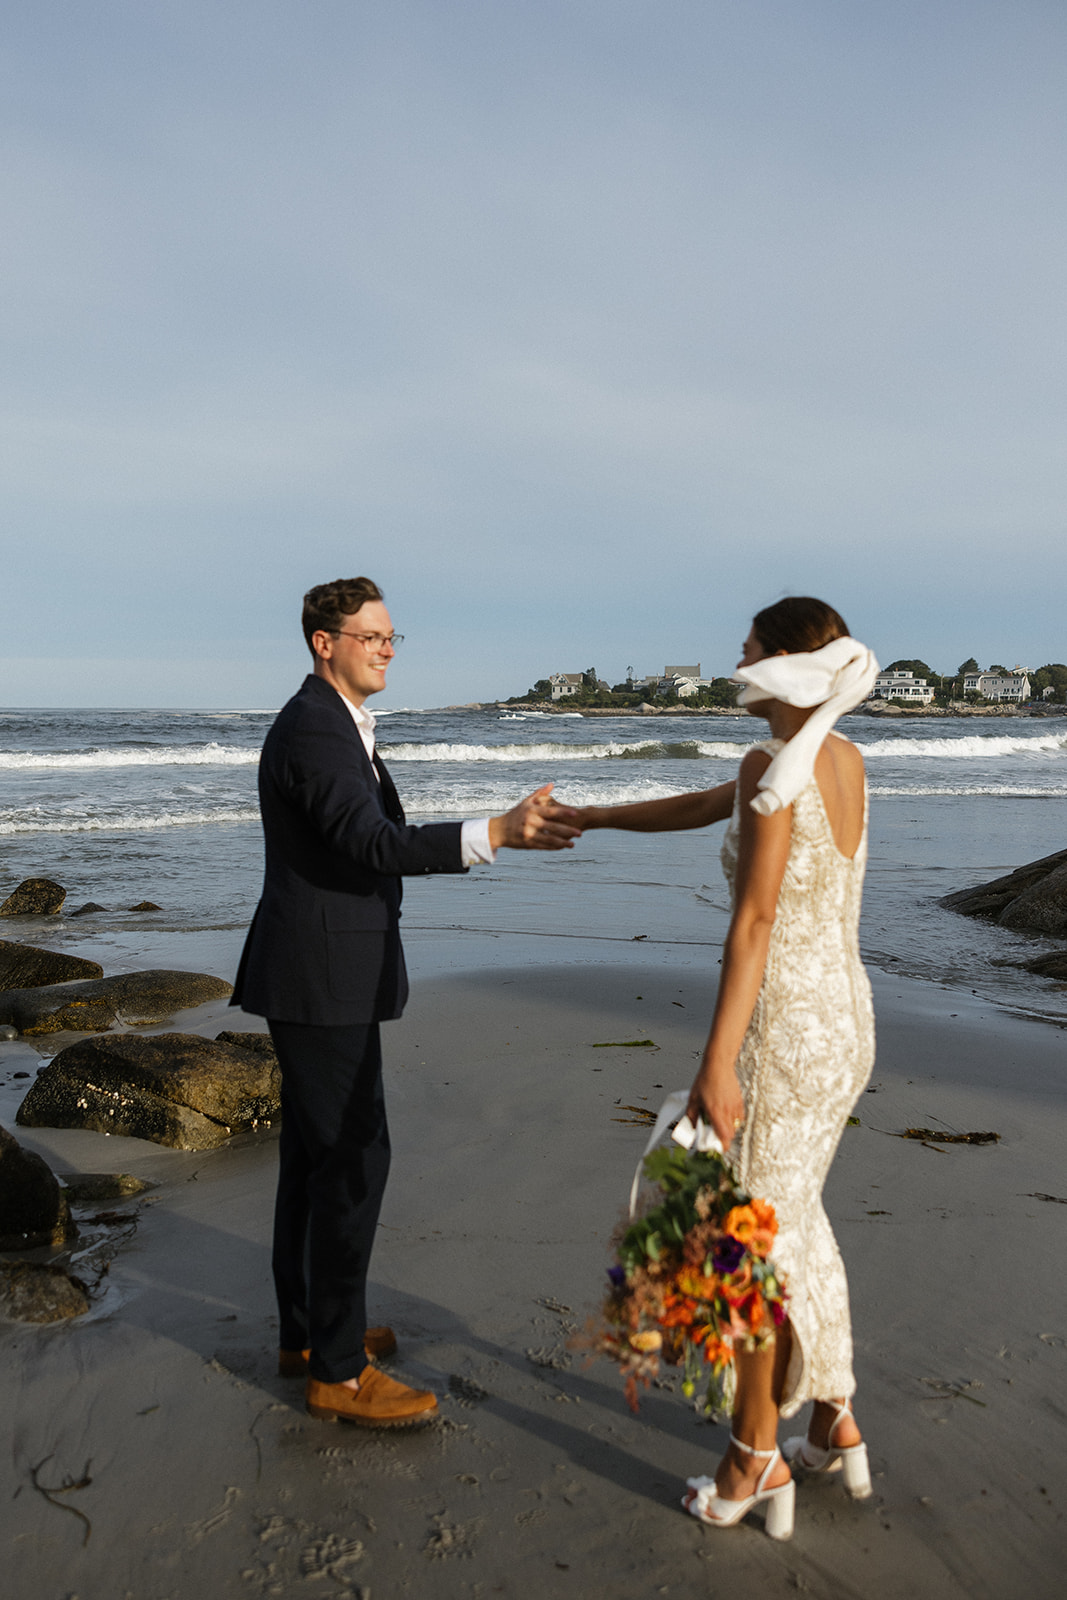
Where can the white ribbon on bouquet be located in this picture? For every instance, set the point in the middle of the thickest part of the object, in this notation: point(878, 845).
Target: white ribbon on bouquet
point(701, 1137)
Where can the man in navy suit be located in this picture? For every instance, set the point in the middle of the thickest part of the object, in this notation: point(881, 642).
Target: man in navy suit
point(324, 964)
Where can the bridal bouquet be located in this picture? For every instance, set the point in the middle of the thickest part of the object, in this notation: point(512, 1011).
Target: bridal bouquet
point(693, 1281)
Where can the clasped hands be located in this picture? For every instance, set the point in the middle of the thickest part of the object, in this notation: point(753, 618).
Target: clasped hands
point(536, 823)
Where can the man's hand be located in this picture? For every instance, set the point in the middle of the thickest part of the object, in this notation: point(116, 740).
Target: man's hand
point(536, 823)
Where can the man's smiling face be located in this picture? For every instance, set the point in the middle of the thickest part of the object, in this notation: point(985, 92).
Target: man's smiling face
point(354, 661)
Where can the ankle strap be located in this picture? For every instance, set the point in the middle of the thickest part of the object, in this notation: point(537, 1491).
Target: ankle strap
point(844, 1409)
point(763, 1455)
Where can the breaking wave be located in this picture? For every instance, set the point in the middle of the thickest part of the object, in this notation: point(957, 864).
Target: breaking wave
point(973, 747)
point(1003, 791)
point(647, 750)
point(204, 755)
point(129, 822)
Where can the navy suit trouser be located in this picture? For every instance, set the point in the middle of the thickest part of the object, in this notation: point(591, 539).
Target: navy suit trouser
point(333, 1165)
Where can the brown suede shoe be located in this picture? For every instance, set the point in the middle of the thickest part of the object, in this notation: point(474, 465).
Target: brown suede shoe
point(378, 1342)
point(379, 1402)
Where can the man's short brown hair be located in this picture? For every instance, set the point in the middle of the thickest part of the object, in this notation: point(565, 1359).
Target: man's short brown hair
point(327, 605)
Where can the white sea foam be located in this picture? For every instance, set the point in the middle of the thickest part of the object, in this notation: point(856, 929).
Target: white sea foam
point(460, 800)
point(542, 752)
point(646, 750)
point(204, 755)
point(975, 747)
point(489, 799)
point(130, 822)
point(1003, 791)
point(972, 747)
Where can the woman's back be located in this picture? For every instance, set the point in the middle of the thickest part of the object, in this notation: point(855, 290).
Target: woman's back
point(817, 921)
point(840, 777)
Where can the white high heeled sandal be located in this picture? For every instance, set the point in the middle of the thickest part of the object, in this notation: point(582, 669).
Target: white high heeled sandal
point(709, 1506)
point(850, 1460)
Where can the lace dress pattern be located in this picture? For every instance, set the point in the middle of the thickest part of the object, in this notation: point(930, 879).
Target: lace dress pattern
point(805, 1058)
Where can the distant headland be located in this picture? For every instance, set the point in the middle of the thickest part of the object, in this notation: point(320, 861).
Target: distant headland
point(904, 688)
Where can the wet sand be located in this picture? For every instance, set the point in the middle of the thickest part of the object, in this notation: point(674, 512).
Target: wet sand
point(512, 1157)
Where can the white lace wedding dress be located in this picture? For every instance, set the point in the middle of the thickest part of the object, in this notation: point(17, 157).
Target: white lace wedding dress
point(806, 1056)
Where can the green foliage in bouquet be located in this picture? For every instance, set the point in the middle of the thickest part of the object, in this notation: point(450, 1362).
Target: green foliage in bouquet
point(693, 1281)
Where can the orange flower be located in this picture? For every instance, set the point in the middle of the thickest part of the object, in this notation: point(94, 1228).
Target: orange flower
point(755, 1225)
point(678, 1314)
point(741, 1222)
point(716, 1353)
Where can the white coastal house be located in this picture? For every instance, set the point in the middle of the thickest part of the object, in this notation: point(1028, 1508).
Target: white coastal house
point(684, 681)
point(1013, 686)
point(901, 686)
point(565, 683)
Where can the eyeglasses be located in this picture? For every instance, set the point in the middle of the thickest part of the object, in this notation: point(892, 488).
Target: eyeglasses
point(372, 641)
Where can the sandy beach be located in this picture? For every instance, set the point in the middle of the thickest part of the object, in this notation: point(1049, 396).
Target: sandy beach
point(203, 1476)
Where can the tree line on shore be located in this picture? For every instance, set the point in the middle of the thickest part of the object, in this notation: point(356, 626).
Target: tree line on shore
point(594, 692)
point(947, 687)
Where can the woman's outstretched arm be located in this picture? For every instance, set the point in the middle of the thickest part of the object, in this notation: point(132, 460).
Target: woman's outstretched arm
point(763, 851)
point(696, 810)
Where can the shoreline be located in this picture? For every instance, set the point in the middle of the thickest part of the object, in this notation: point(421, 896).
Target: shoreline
point(512, 1155)
point(559, 707)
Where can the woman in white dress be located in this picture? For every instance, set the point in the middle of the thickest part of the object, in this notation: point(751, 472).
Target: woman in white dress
point(791, 1044)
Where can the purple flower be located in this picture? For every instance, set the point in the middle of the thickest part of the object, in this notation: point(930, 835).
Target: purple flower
point(728, 1254)
point(617, 1276)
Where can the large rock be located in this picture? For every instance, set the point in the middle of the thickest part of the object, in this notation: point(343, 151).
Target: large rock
point(261, 1044)
point(177, 1089)
point(1042, 908)
point(34, 897)
point(1032, 899)
point(1050, 966)
point(33, 1208)
point(94, 1005)
point(31, 1292)
point(24, 966)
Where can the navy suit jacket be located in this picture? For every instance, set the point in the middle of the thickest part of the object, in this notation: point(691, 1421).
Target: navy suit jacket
point(324, 945)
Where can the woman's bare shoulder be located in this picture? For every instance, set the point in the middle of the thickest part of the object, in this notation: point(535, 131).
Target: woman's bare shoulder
point(754, 764)
point(845, 751)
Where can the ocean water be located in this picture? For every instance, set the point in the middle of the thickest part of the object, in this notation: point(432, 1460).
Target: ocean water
point(123, 806)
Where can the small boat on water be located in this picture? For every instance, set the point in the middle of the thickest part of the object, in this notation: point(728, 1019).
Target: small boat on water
point(532, 716)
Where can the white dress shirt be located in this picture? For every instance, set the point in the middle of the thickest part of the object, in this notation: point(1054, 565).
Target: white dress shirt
point(475, 849)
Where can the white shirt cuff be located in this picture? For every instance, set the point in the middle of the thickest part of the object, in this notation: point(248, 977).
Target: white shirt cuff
point(474, 843)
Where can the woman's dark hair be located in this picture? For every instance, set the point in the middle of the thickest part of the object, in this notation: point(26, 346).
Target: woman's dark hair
point(798, 625)
point(327, 605)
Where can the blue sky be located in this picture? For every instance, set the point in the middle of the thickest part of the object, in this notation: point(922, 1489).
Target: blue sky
point(585, 327)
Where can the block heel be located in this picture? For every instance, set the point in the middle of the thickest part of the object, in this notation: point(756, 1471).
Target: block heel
point(856, 1472)
point(780, 1511)
point(708, 1505)
point(850, 1460)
